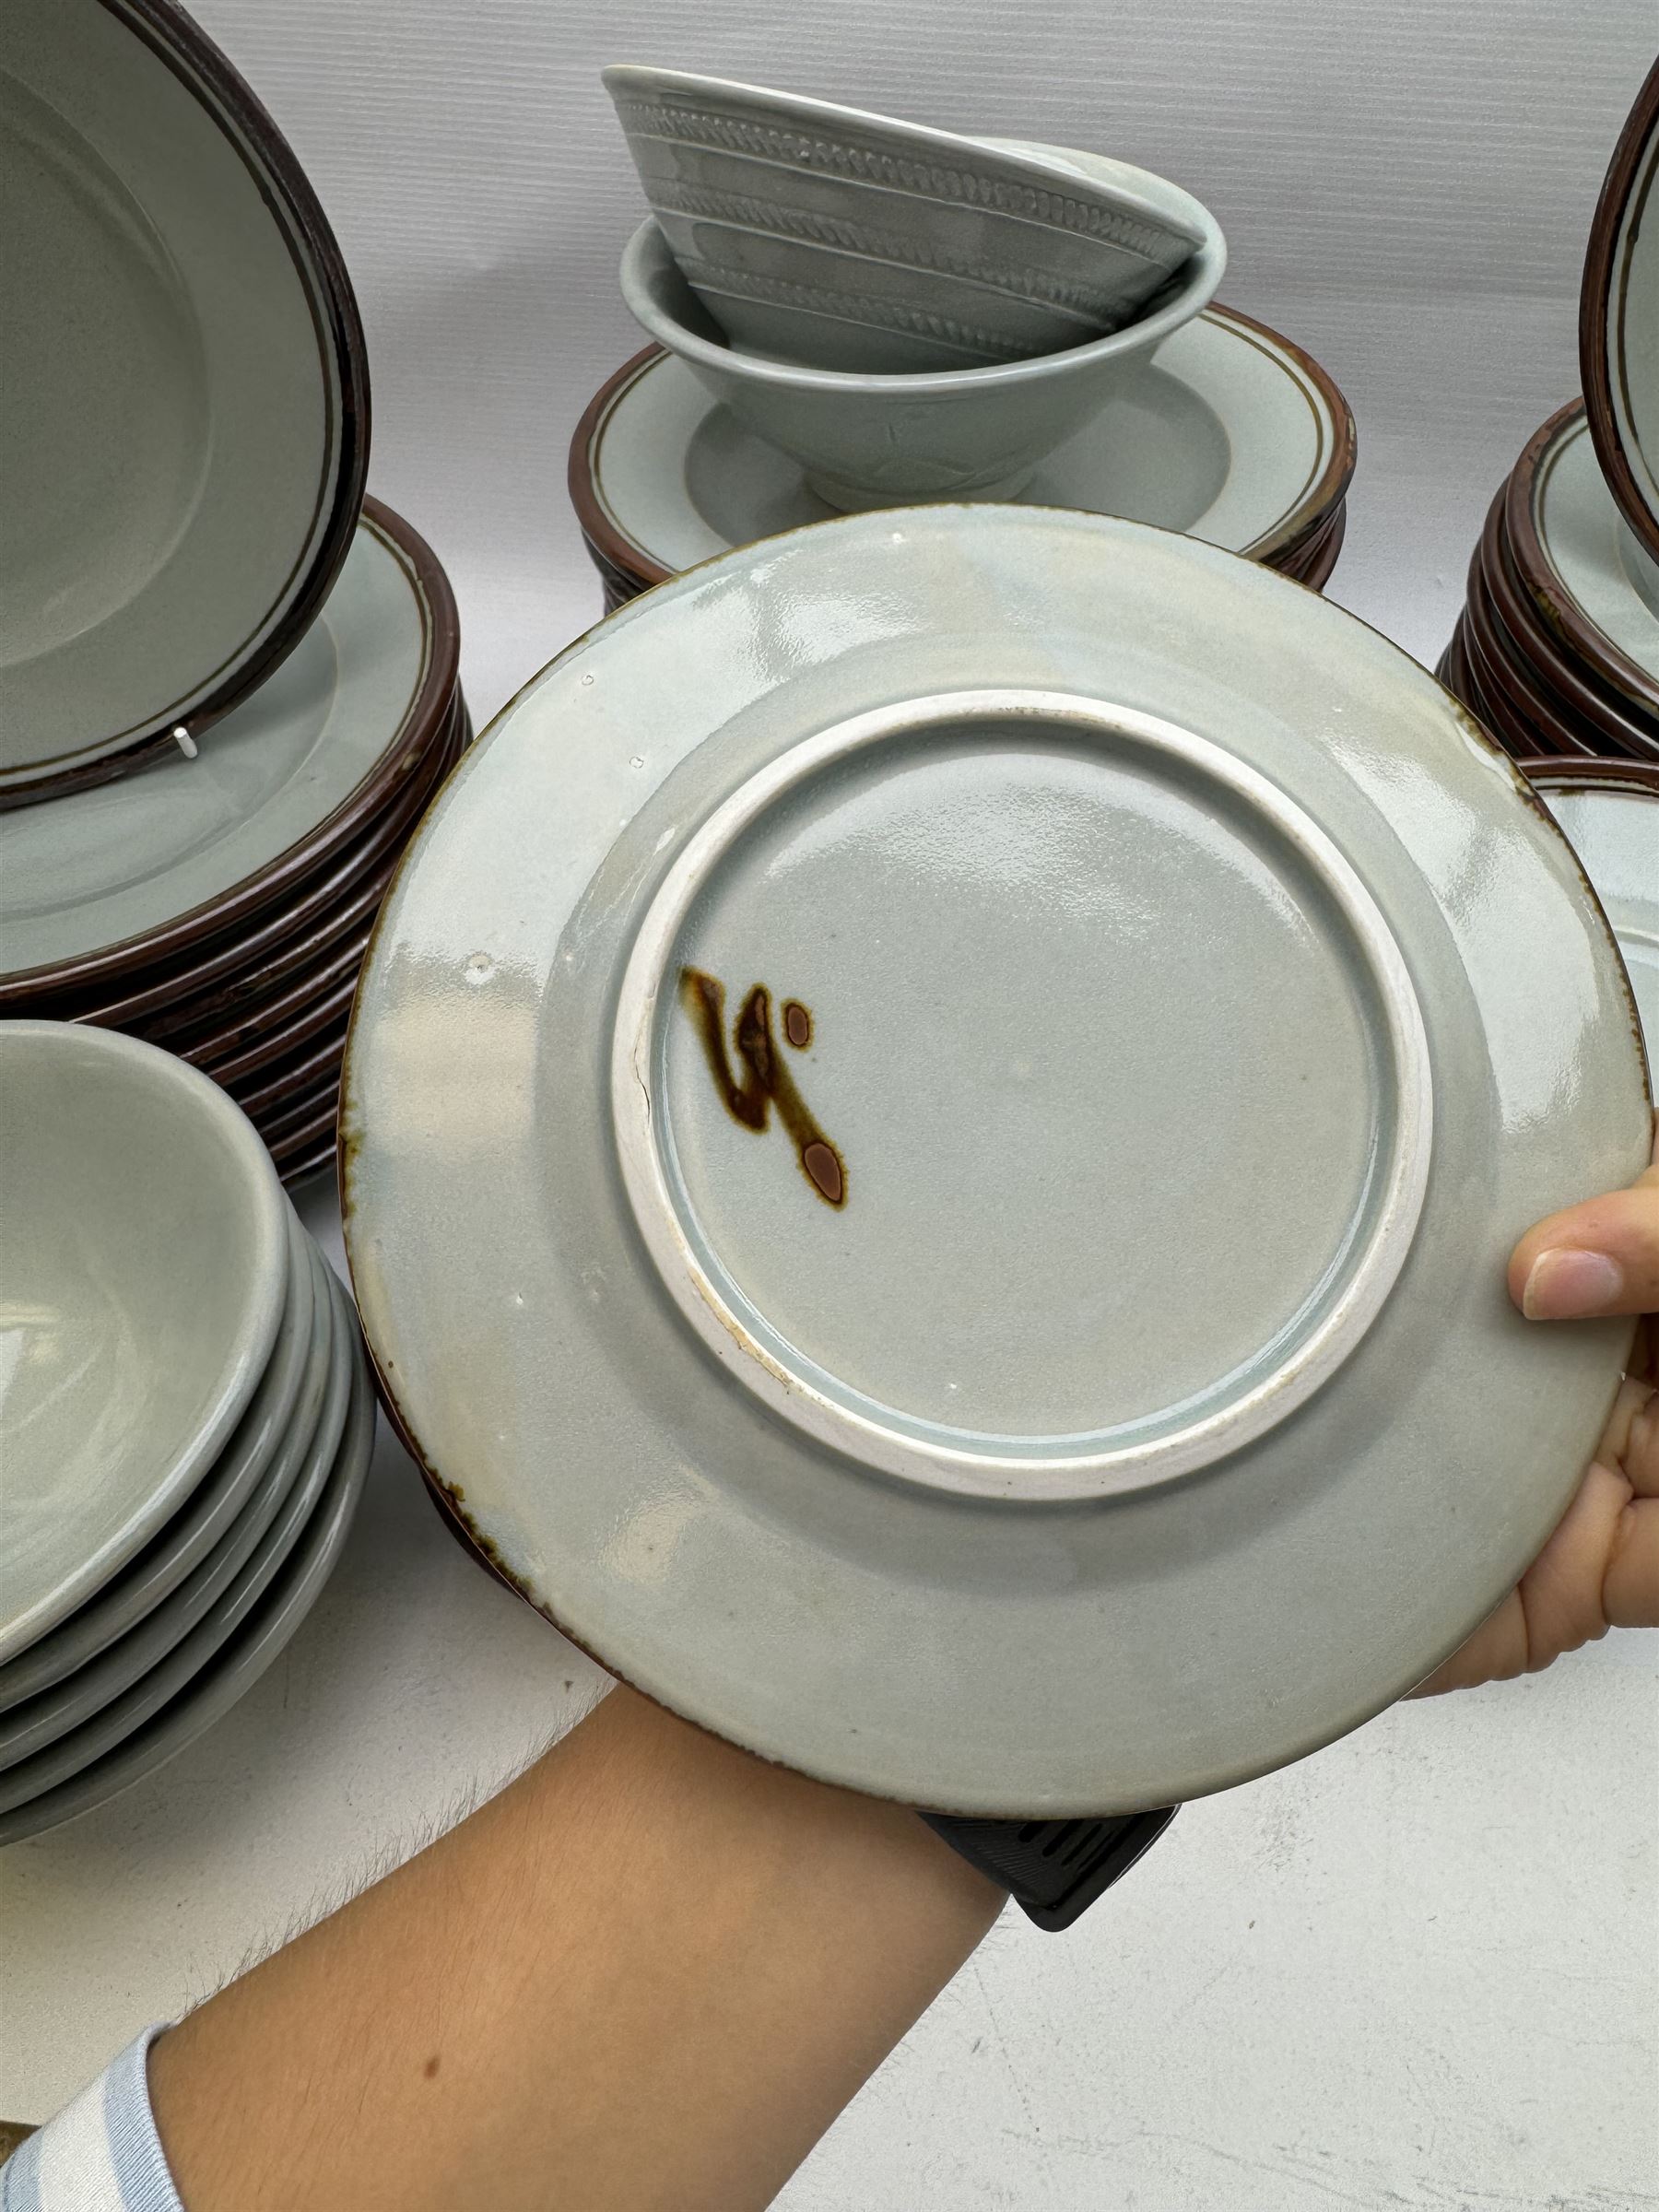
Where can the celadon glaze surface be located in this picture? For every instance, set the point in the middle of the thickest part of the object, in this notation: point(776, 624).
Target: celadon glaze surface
point(824, 234)
point(1111, 1035)
point(1224, 435)
point(281, 1405)
point(877, 441)
point(219, 1660)
point(172, 408)
point(145, 1274)
point(95, 867)
point(1596, 556)
point(1616, 834)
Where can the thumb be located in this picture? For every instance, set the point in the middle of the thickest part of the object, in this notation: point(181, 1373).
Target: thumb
point(1599, 1258)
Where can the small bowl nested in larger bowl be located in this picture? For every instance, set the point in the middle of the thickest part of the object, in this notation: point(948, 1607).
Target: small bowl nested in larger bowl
point(887, 441)
point(819, 233)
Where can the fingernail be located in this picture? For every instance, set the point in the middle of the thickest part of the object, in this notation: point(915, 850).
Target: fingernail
point(1567, 1285)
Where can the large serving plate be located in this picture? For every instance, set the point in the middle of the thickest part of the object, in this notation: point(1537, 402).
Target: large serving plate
point(1619, 321)
point(103, 881)
point(1232, 434)
point(179, 352)
point(952, 1225)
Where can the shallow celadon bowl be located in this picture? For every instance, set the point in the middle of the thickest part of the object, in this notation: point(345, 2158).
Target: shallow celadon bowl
point(144, 1275)
point(824, 234)
point(951, 1225)
point(867, 441)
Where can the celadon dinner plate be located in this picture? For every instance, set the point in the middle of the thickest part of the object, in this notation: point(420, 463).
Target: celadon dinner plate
point(1609, 810)
point(1230, 435)
point(951, 1225)
point(104, 865)
point(185, 425)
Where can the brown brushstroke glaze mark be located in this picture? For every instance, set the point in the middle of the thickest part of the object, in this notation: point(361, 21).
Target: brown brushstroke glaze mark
point(766, 1082)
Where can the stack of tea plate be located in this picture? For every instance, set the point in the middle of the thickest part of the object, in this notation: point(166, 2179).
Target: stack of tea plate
point(221, 907)
point(186, 1422)
point(852, 311)
point(1557, 646)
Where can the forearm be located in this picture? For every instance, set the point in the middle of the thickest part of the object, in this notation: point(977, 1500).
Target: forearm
point(649, 1973)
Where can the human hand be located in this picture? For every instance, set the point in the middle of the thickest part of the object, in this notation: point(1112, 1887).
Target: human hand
point(1600, 1570)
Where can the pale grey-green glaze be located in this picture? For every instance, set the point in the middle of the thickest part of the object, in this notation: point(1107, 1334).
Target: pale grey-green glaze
point(823, 234)
point(1616, 834)
point(205, 1517)
point(64, 1752)
point(117, 1663)
point(168, 438)
point(1101, 1062)
point(97, 867)
point(878, 441)
point(266, 1625)
point(145, 1271)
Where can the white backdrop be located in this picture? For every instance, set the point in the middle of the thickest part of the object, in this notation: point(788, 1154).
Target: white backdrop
point(1417, 1971)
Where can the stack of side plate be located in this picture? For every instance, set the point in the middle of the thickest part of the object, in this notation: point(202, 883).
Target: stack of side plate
point(1232, 434)
point(220, 906)
point(186, 1423)
point(1558, 645)
point(1556, 648)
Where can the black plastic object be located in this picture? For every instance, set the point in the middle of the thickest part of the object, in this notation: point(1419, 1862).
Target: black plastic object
point(1053, 1869)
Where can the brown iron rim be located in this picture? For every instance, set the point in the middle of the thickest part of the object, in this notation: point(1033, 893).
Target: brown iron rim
point(1559, 611)
point(1595, 299)
point(1562, 772)
point(617, 559)
point(1558, 665)
point(425, 722)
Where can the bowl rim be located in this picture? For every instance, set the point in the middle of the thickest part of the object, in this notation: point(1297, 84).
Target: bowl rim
point(926, 138)
point(1191, 288)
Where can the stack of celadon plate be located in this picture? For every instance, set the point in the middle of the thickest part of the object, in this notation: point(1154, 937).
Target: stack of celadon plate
point(227, 682)
point(185, 1422)
point(1556, 648)
point(852, 311)
point(222, 907)
point(952, 1232)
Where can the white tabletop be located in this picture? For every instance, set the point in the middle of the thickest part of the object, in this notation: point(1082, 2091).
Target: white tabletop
point(1416, 1971)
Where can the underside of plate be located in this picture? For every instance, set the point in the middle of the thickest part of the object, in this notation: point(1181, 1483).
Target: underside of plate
point(942, 960)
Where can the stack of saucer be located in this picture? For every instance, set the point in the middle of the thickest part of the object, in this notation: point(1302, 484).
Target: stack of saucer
point(221, 907)
point(1556, 648)
point(852, 311)
point(186, 1425)
point(228, 680)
